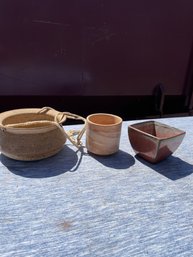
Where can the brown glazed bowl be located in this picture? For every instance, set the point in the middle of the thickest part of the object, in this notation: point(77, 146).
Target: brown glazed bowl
point(154, 141)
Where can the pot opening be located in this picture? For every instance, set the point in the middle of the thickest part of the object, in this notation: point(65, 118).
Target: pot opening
point(28, 120)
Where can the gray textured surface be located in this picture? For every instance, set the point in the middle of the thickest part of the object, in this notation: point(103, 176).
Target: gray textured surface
point(82, 205)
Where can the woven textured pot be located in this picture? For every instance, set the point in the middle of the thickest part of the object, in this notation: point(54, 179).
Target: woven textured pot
point(33, 134)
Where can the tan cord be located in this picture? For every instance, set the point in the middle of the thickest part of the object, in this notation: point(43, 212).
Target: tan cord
point(61, 117)
point(70, 135)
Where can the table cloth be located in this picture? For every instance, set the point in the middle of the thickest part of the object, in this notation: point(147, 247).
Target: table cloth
point(78, 204)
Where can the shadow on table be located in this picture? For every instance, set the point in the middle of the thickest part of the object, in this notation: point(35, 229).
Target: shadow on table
point(173, 167)
point(65, 160)
point(119, 160)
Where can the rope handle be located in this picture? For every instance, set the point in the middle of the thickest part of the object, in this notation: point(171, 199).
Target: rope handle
point(61, 117)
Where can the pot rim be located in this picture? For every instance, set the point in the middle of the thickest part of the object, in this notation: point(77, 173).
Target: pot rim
point(35, 111)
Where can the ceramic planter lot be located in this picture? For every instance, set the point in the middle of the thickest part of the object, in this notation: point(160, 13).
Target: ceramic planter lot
point(34, 134)
point(154, 141)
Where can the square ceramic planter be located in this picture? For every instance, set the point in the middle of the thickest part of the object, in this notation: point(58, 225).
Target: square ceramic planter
point(154, 141)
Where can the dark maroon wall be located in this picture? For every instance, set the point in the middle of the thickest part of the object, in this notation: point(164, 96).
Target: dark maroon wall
point(98, 47)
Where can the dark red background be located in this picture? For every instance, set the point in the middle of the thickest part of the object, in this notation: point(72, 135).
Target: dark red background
point(98, 48)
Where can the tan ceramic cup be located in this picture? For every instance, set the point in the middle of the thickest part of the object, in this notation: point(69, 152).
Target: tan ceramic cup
point(103, 133)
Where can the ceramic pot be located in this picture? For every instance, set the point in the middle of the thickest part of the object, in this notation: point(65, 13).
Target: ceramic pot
point(103, 132)
point(154, 141)
point(31, 134)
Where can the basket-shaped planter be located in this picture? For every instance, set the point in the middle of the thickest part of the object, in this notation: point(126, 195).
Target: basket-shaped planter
point(33, 134)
